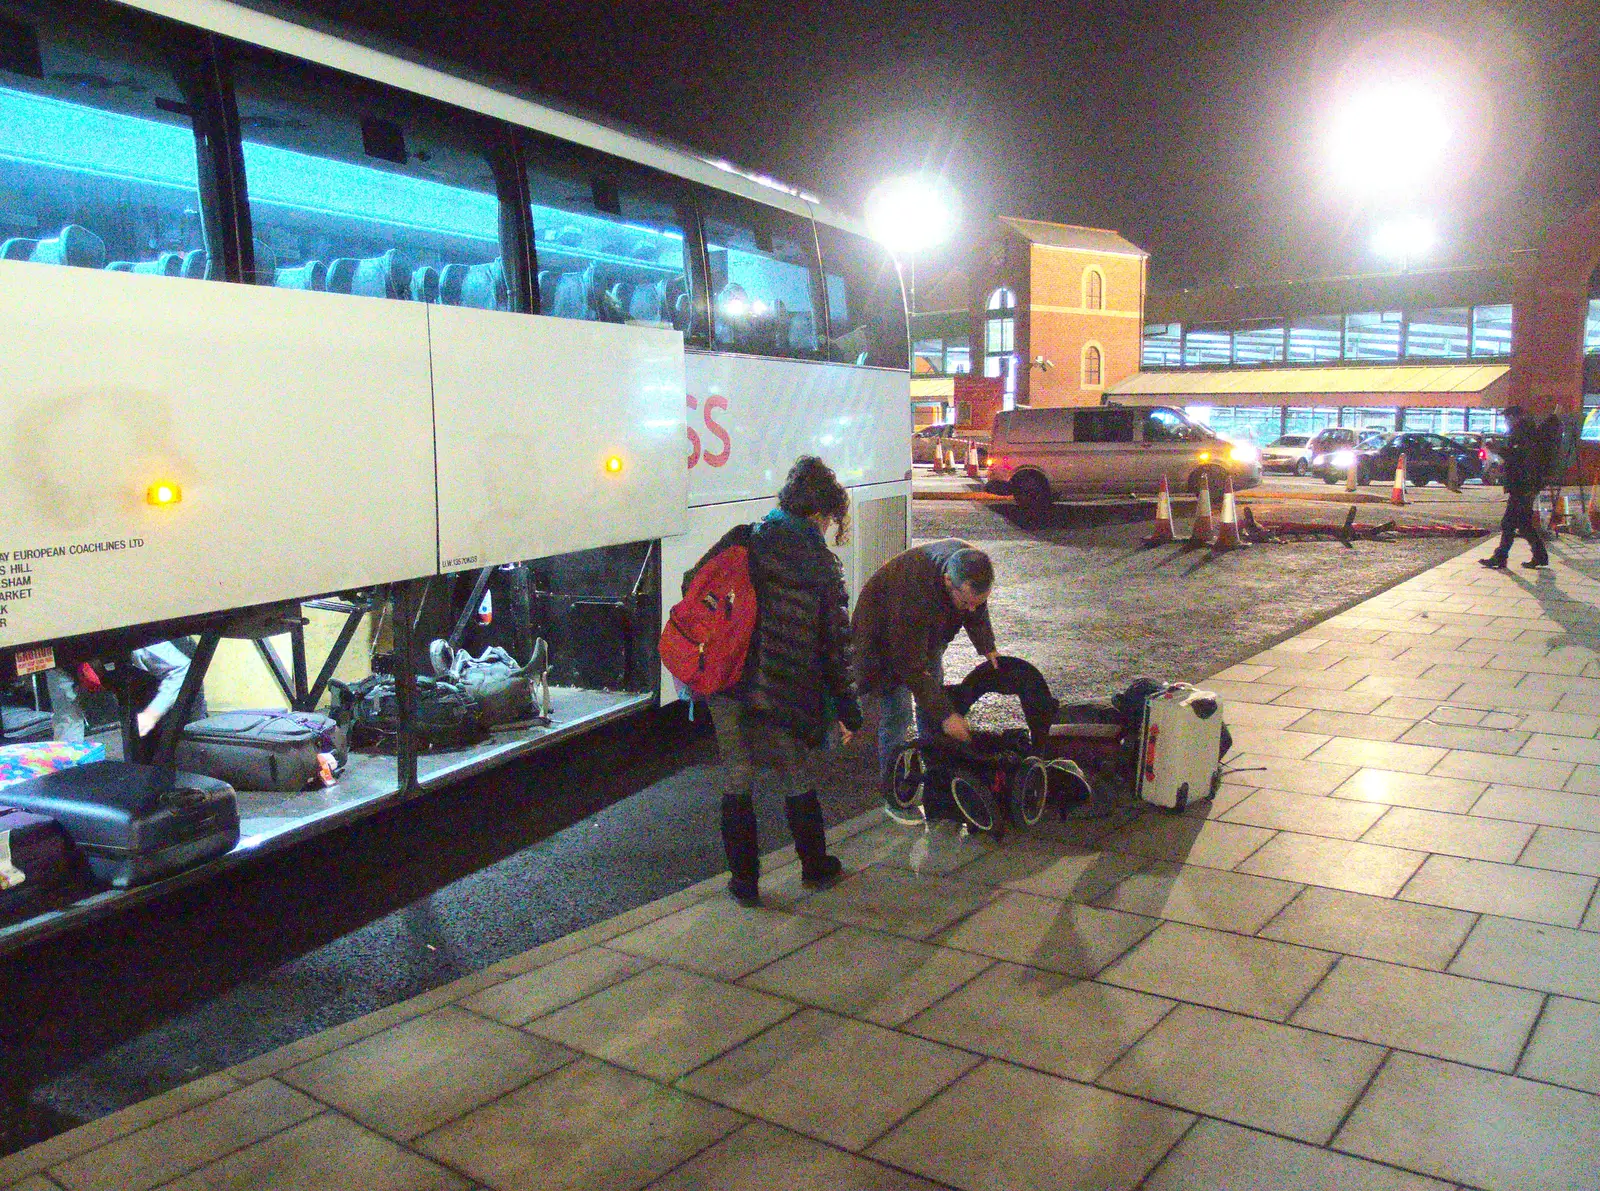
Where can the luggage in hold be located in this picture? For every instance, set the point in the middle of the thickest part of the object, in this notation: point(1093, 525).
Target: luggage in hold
point(38, 867)
point(24, 724)
point(24, 762)
point(503, 689)
point(1180, 745)
point(252, 750)
point(446, 715)
point(135, 823)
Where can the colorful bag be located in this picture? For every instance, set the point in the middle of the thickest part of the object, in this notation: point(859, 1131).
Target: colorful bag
point(707, 635)
point(23, 762)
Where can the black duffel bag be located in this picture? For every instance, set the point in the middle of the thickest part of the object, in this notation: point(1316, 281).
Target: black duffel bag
point(446, 716)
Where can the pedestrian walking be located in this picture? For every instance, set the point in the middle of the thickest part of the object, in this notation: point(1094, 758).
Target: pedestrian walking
point(1525, 464)
point(795, 685)
point(906, 616)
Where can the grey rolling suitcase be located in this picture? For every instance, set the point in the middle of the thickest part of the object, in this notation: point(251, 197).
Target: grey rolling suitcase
point(253, 750)
point(135, 823)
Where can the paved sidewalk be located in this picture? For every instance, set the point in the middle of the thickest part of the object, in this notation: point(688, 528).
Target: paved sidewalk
point(1373, 962)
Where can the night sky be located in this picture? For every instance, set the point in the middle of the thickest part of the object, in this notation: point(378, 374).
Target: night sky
point(1196, 129)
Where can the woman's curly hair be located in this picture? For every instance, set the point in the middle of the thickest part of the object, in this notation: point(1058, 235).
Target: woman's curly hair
point(812, 488)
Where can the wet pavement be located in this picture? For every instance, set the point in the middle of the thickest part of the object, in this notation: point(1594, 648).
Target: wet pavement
point(372, 916)
point(1373, 960)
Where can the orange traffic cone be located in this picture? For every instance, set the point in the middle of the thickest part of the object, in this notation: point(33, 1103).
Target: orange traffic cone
point(1205, 529)
point(1397, 495)
point(1165, 531)
point(972, 461)
point(1351, 475)
point(1228, 537)
point(1558, 514)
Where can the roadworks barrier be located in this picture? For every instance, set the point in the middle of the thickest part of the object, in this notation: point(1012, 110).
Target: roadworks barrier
point(1397, 494)
point(1228, 537)
point(1204, 531)
point(1165, 531)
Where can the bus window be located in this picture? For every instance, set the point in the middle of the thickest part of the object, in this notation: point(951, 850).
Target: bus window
point(356, 189)
point(608, 246)
point(866, 309)
point(98, 164)
point(765, 287)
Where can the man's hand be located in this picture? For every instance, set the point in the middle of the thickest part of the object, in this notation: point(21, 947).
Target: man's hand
point(956, 726)
point(146, 722)
point(844, 734)
point(994, 659)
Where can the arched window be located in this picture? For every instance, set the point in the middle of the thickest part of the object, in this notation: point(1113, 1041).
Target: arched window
point(1000, 341)
point(1091, 367)
point(1094, 290)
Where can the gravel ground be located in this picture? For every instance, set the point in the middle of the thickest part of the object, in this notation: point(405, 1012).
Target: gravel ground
point(412, 899)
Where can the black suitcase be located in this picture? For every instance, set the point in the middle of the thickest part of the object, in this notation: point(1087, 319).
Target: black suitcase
point(38, 868)
point(134, 823)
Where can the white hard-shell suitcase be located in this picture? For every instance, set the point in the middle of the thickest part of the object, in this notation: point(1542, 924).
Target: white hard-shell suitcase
point(1180, 746)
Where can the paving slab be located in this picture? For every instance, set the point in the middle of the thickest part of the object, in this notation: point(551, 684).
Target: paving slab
point(1533, 955)
point(1375, 927)
point(1215, 1154)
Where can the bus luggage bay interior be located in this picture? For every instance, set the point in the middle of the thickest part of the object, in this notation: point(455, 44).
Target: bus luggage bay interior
point(320, 357)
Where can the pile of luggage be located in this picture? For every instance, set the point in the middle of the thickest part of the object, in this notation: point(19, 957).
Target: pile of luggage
point(1161, 742)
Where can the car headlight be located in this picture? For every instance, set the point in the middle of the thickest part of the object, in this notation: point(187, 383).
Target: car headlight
point(1243, 453)
point(1343, 458)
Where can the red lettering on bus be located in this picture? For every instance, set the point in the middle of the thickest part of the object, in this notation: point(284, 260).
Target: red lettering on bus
point(694, 439)
point(717, 460)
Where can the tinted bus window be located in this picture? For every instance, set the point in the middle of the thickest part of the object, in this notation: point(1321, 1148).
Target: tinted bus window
point(765, 285)
point(866, 309)
point(609, 246)
point(356, 189)
point(98, 164)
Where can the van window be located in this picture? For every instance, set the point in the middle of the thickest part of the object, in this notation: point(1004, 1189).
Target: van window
point(866, 309)
point(1103, 425)
point(1162, 425)
point(609, 246)
point(1033, 425)
point(98, 162)
point(766, 288)
point(357, 189)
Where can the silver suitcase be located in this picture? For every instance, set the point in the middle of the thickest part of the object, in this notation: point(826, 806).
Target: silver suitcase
point(1180, 747)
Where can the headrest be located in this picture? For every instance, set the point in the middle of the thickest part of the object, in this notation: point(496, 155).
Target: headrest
point(425, 284)
point(76, 246)
point(17, 249)
point(311, 275)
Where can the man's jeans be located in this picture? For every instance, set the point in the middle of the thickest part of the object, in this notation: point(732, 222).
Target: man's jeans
point(894, 721)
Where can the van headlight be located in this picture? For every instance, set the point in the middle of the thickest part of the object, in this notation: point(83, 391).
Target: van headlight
point(1243, 453)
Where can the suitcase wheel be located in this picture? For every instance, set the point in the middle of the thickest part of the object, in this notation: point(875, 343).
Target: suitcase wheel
point(1031, 792)
point(908, 784)
point(976, 804)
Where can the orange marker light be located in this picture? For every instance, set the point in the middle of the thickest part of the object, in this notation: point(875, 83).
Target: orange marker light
point(614, 465)
point(163, 493)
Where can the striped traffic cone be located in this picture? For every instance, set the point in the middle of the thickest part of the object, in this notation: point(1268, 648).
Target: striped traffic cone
point(1205, 529)
point(1228, 537)
point(1397, 494)
point(1165, 531)
point(972, 461)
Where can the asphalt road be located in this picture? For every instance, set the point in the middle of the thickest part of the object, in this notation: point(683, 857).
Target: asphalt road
point(414, 898)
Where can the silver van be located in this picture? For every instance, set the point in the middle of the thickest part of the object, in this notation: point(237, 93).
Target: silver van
point(1037, 455)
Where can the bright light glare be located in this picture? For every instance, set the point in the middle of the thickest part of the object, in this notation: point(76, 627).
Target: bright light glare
point(910, 214)
point(1343, 458)
point(1243, 453)
point(1403, 239)
point(1389, 137)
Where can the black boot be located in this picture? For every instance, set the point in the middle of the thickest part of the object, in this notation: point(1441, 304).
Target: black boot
point(744, 856)
point(810, 839)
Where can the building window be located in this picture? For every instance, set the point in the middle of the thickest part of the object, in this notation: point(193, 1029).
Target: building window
point(1258, 345)
point(1439, 334)
point(1000, 341)
point(1091, 367)
point(1163, 346)
point(1372, 335)
point(1207, 345)
point(1094, 290)
point(1591, 330)
point(1491, 330)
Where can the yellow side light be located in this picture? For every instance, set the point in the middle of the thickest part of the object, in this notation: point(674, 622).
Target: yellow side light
point(163, 493)
point(1204, 456)
point(614, 465)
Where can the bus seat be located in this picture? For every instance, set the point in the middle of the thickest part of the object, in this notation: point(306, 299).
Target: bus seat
point(547, 290)
point(369, 277)
point(17, 249)
point(645, 250)
point(75, 245)
point(484, 286)
point(311, 275)
point(196, 264)
point(645, 305)
point(681, 312)
point(120, 267)
point(168, 264)
point(617, 302)
point(425, 284)
point(570, 300)
point(451, 278)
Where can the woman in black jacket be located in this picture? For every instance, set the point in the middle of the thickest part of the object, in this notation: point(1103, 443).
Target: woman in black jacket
point(796, 681)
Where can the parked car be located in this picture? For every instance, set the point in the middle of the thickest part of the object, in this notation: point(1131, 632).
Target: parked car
point(1331, 441)
point(1036, 455)
point(1483, 462)
point(1290, 453)
point(1376, 457)
point(928, 440)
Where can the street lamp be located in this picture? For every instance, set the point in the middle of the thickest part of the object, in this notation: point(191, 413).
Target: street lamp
point(1404, 239)
point(1388, 137)
point(908, 215)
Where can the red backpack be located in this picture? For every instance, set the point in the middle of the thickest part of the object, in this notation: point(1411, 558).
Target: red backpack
point(707, 635)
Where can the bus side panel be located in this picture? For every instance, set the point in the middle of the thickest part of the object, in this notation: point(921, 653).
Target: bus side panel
point(749, 418)
point(294, 429)
point(554, 435)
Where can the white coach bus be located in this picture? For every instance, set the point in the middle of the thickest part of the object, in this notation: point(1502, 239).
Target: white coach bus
point(313, 353)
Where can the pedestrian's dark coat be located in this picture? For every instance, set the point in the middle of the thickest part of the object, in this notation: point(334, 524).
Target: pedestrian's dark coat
point(797, 673)
point(904, 620)
point(1521, 455)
